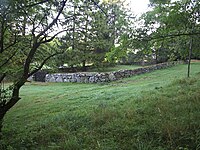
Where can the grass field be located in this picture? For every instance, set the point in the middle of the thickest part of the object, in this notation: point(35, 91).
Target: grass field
point(158, 110)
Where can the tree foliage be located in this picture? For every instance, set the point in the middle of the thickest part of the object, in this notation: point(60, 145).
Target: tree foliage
point(169, 28)
point(93, 32)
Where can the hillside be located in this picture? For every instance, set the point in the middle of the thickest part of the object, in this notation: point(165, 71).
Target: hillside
point(158, 110)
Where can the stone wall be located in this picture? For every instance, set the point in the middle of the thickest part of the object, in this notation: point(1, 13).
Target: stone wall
point(105, 77)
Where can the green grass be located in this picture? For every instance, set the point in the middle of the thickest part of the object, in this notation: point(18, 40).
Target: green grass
point(158, 110)
point(116, 68)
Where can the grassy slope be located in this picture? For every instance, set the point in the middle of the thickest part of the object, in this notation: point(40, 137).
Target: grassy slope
point(150, 111)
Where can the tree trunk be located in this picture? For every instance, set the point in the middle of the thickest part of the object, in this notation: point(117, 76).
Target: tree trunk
point(1, 103)
point(84, 66)
point(1, 122)
point(2, 77)
point(156, 52)
point(74, 26)
point(4, 108)
point(189, 57)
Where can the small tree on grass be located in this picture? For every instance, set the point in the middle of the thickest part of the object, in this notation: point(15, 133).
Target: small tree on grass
point(24, 27)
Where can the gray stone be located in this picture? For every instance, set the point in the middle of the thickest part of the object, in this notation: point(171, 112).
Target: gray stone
point(59, 78)
point(104, 77)
point(112, 77)
point(92, 79)
point(52, 79)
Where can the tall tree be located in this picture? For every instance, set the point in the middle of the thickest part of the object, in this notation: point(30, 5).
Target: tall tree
point(94, 32)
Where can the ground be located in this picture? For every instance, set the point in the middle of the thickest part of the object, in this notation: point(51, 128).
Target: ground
point(158, 110)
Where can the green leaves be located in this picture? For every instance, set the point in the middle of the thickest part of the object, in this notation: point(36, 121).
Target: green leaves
point(169, 27)
point(159, 1)
point(91, 33)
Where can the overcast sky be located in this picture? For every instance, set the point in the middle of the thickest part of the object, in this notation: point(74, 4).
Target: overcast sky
point(138, 6)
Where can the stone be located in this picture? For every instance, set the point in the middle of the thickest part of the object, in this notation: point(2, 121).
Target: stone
point(59, 78)
point(104, 77)
point(52, 79)
point(92, 79)
point(112, 77)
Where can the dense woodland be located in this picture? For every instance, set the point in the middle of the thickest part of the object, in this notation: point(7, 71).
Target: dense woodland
point(48, 34)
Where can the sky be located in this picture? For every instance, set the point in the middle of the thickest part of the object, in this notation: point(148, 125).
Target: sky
point(138, 6)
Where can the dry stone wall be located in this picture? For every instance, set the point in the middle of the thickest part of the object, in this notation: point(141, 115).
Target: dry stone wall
point(88, 77)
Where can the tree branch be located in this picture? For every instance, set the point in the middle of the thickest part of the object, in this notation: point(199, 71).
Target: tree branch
point(38, 3)
point(51, 38)
point(168, 36)
point(44, 61)
point(8, 59)
point(12, 44)
point(37, 43)
point(54, 20)
point(95, 3)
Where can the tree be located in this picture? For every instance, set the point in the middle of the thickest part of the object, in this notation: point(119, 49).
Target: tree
point(115, 31)
point(25, 27)
point(92, 33)
point(77, 39)
point(171, 29)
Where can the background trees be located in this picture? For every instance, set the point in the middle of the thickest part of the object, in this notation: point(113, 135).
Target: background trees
point(93, 32)
point(170, 29)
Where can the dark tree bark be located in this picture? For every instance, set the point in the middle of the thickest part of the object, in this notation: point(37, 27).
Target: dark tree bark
point(1, 124)
point(13, 100)
point(2, 77)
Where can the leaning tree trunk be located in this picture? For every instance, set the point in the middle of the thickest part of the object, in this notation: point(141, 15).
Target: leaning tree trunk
point(1, 101)
point(5, 107)
point(1, 121)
